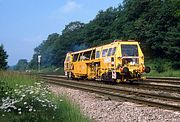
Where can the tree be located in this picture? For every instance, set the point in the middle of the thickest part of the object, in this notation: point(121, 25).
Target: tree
point(72, 26)
point(154, 23)
point(3, 58)
point(21, 65)
point(33, 64)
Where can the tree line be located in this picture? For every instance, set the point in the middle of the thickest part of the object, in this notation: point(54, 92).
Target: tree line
point(3, 58)
point(154, 23)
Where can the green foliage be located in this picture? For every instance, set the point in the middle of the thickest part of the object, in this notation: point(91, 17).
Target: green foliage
point(73, 26)
point(69, 112)
point(4, 89)
point(176, 65)
point(23, 98)
point(167, 73)
point(154, 23)
point(53, 70)
point(3, 58)
point(158, 66)
point(33, 64)
point(163, 68)
point(13, 78)
point(22, 65)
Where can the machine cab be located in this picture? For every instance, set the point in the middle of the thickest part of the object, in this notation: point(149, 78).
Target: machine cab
point(130, 55)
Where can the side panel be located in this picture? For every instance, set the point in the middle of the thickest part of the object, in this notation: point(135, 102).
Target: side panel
point(80, 68)
point(108, 62)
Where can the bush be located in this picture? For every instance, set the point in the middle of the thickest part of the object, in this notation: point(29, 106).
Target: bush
point(159, 67)
point(162, 68)
point(176, 65)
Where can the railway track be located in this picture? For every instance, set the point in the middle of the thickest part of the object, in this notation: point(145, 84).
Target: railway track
point(165, 78)
point(123, 92)
point(147, 84)
point(155, 87)
point(168, 80)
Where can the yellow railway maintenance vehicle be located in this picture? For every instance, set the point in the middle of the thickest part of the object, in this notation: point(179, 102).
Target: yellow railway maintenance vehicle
point(119, 61)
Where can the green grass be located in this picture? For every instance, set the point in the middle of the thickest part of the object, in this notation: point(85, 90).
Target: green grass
point(162, 68)
point(53, 70)
point(13, 78)
point(50, 70)
point(29, 100)
point(169, 73)
point(69, 115)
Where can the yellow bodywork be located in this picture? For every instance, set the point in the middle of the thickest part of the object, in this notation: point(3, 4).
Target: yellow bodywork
point(107, 62)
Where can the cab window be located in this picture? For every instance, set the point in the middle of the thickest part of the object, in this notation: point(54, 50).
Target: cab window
point(97, 54)
point(113, 50)
point(87, 55)
point(104, 52)
point(80, 57)
point(129, 50)
point(75, 57)
point(93, 55)
point(109, 52)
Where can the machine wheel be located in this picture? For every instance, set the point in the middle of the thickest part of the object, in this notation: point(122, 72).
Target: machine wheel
point(131, 81)
point(70, 76)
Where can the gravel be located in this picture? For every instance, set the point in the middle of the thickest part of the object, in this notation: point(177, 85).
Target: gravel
point(102, 109)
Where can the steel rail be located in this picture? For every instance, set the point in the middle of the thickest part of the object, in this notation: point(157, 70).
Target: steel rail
point(120, 89)
point(148, 77)
point(127, 94)
point(163, 87)
point(154, 87)
point(173, 82)
point(165, 78)
point(139, 85)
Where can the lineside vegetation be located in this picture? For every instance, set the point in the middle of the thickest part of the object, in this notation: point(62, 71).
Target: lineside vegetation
point(153, 23)
point(24, 98)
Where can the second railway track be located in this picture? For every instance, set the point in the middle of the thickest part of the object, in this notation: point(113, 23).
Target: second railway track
point(162, 100)
point(147, 84)
point(167, 81)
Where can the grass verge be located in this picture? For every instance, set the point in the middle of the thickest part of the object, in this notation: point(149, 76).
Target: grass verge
point(169, 73)
point(50, 70)
point(24, 98)
point(163, 68)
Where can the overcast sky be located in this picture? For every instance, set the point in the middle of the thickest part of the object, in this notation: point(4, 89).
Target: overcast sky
point(24, 24)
